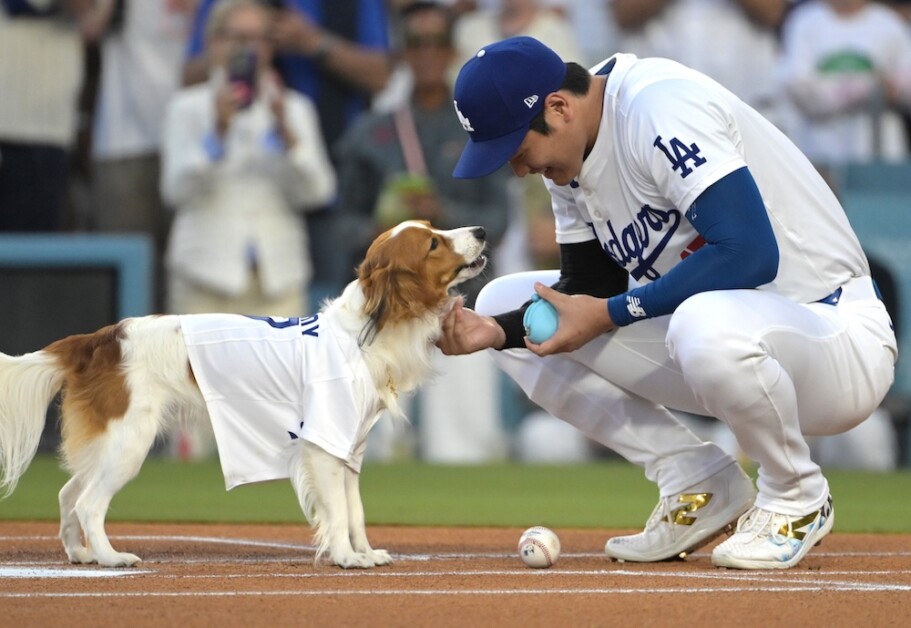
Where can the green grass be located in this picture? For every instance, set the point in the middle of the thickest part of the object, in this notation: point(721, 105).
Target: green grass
point(598, 495)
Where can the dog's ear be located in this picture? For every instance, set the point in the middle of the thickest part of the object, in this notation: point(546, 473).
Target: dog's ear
point(393, 293)
point(393, 278)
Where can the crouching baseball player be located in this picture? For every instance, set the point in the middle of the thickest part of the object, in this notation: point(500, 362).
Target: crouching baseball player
point(705, 266)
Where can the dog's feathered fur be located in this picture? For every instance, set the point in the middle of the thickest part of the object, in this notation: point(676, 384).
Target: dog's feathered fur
point(126, 384)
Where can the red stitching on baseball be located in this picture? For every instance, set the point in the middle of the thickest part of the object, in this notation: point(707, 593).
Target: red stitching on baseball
point(537, 543)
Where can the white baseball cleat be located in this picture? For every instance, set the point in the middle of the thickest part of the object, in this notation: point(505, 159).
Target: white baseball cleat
point(682, 523)
point(768, 540)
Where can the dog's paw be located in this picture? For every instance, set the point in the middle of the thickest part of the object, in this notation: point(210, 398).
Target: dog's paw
point(120, 559)
point(380, 557)
point(80, 556)
point(354, 561)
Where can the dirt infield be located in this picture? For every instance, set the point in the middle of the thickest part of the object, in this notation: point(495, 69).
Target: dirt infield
point(241, 575)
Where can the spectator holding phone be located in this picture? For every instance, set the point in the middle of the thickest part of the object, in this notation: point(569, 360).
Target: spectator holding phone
point(336, 53)
point(242, 156)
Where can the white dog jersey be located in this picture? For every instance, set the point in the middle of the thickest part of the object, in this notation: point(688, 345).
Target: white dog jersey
point(270, 381)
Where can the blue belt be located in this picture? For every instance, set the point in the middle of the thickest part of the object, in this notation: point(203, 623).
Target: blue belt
point(833, 298)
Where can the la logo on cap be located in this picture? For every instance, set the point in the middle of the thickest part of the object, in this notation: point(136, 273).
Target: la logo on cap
point(465, 122)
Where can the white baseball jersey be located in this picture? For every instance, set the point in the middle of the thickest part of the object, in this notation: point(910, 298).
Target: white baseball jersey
point(269, 382)
point(650, 163)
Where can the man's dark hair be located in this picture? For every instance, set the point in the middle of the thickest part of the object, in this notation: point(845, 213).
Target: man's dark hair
point(577, 81)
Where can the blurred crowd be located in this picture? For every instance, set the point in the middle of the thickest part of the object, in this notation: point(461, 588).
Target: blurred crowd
point(261, 145)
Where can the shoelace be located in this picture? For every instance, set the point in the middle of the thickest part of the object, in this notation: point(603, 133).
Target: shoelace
point(663, 513)
point(759, 522)
point(755, 521)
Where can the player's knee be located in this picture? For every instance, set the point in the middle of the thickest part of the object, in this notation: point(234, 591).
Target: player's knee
point(509, 292)
point(488, 301)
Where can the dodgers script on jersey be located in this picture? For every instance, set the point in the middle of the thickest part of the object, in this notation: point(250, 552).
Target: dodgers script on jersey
point(269, 382)
point(650, 163)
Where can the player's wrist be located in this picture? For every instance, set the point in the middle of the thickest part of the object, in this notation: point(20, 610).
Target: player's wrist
point(499, 339)
point(608, 320)
point(617, 310)
point(511, 332)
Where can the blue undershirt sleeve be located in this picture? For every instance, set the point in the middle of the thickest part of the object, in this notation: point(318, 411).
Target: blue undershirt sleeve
point(740, 251)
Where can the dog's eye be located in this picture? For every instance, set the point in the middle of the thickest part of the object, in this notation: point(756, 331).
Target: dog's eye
point(434, 243)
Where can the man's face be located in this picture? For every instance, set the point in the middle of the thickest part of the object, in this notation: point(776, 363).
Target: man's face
point(556, 156)
point(428, 49)
point(244, 28)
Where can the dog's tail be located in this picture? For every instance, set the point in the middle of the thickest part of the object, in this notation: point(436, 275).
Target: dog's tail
point(28, 383)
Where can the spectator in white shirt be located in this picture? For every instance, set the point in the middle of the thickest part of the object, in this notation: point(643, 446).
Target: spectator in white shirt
point(846, 66)
point(241, 157)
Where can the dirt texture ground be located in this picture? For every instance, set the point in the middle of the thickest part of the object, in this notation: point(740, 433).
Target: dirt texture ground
point(241, 575)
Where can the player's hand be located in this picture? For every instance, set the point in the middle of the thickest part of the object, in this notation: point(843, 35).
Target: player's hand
point(465, 331)
point(582, 318)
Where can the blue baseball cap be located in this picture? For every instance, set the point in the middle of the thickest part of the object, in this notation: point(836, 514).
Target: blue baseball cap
point(498, 93)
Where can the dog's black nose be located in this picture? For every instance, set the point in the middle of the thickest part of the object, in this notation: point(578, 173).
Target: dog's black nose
point(479, 233)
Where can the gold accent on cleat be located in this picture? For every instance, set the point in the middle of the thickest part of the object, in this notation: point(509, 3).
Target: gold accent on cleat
point(793, 529)
point(692, 502)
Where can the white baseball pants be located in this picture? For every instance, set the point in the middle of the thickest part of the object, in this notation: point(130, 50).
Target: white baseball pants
point(773, 370)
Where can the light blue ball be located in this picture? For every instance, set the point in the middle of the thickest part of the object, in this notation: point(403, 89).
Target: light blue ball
point(540, 320)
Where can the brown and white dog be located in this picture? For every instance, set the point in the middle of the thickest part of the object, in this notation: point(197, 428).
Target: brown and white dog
point(127, 383)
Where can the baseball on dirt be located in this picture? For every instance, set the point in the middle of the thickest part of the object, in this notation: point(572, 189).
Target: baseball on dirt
point(539, 547)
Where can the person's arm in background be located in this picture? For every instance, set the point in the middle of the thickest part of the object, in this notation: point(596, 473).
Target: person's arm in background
point(196, 66)
point(634, 14)
point(367, 69)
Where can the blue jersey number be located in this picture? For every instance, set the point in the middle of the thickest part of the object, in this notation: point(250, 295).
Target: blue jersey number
point(309, 326)
point(278, 322)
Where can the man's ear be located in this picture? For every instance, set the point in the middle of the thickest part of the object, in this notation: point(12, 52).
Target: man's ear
point(559, 104)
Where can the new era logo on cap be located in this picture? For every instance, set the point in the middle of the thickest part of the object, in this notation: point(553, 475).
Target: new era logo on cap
point(498, 93)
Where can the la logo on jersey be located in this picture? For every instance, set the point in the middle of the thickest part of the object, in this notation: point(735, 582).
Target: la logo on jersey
point(466, 124)
point(682, 154)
